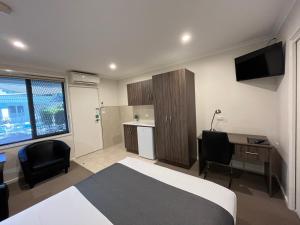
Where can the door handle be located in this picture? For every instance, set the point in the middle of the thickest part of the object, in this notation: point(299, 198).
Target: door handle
point(166, 118)
point(170, 119)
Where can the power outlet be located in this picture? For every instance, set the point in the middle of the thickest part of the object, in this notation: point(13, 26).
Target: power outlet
point(220, 118)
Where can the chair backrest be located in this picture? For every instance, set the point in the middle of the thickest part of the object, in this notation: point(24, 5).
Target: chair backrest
point(216, 147)
point(43, 151)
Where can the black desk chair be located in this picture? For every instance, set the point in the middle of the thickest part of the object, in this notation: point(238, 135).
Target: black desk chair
point(217, 149)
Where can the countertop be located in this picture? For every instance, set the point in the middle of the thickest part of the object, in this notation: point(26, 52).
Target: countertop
point(141, 123)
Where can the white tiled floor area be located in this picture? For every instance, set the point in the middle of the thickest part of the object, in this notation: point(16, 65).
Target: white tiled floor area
point(101, 159)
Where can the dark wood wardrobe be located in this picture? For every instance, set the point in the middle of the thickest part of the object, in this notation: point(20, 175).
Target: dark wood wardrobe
point(175, 117)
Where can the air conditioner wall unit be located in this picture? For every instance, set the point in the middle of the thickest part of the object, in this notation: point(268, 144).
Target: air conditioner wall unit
point(82, 78)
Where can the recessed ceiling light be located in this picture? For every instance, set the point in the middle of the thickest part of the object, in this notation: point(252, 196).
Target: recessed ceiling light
point(8, 71)
point(186, 38)
point(112, 66)
point(19, 44)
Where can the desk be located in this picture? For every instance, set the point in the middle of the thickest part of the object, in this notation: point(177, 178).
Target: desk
point(251, 153)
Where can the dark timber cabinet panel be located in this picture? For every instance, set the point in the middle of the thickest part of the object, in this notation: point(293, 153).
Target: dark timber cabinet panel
point(130, 138)
point(140, 93)
point(175, 117)
point(147, 95)
point(134, 93)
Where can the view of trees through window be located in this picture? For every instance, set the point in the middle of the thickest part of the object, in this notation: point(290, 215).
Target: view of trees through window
point(48, 104)
point(31, 109)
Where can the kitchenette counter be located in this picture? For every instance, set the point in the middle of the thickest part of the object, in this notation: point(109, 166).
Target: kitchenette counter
point(141, 123)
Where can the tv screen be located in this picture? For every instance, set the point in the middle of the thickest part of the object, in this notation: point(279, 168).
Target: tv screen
point(265, 62)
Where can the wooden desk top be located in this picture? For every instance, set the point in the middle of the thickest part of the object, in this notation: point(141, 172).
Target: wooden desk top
point(242, 139)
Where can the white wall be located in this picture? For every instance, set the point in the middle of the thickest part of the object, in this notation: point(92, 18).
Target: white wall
point(109, 92)
point(248, 107)
point(286, 106)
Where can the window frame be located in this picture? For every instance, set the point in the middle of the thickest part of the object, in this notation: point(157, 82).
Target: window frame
point(31, 112)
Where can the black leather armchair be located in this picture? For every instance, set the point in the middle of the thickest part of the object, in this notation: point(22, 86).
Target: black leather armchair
point(44, 159)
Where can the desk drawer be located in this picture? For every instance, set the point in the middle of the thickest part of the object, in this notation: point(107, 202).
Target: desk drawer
point(251, 153)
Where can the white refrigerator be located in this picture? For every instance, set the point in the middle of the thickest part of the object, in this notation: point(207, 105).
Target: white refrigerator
point(146, 142)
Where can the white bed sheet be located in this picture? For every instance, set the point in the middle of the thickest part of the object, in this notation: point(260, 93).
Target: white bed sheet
point(70, 207)
point(203, 188)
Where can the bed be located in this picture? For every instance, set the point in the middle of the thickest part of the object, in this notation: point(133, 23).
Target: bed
point(135, 192)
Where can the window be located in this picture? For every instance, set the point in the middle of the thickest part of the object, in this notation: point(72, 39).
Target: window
point(12, 127)
point(31, 109)
point(49, 107)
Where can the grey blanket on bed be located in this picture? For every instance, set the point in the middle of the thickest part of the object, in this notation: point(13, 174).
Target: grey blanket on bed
point(127, 197)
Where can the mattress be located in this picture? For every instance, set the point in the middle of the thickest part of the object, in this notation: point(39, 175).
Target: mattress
point(125, 194)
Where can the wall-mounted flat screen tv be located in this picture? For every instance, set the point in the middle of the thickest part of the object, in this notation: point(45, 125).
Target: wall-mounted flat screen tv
point(265, 62)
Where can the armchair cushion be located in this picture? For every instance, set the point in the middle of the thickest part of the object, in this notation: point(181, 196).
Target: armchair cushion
point(44, 164)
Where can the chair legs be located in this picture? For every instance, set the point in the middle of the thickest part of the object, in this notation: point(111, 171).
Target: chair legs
point(206, 169)
point(230, 174)
point(31, 185)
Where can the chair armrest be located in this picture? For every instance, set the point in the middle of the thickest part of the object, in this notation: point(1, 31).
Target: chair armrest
point(3, 191)
point(62, 149)
point(24, 161)
point(23, 155)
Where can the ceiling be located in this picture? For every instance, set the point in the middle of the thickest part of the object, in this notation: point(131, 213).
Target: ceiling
point(137, 35)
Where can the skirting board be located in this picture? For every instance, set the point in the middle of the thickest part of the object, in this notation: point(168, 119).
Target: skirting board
point(283, 193)
point(14, 180)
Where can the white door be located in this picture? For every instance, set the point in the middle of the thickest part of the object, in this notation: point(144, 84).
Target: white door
point(298, 133)
point(87, 128)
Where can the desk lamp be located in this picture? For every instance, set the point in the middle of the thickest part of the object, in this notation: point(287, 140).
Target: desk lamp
point(217, 111)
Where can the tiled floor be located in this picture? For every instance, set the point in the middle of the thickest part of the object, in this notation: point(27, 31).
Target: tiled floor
point(101, 159)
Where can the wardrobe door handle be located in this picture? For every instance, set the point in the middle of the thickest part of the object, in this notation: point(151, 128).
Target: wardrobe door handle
point(166, 119)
